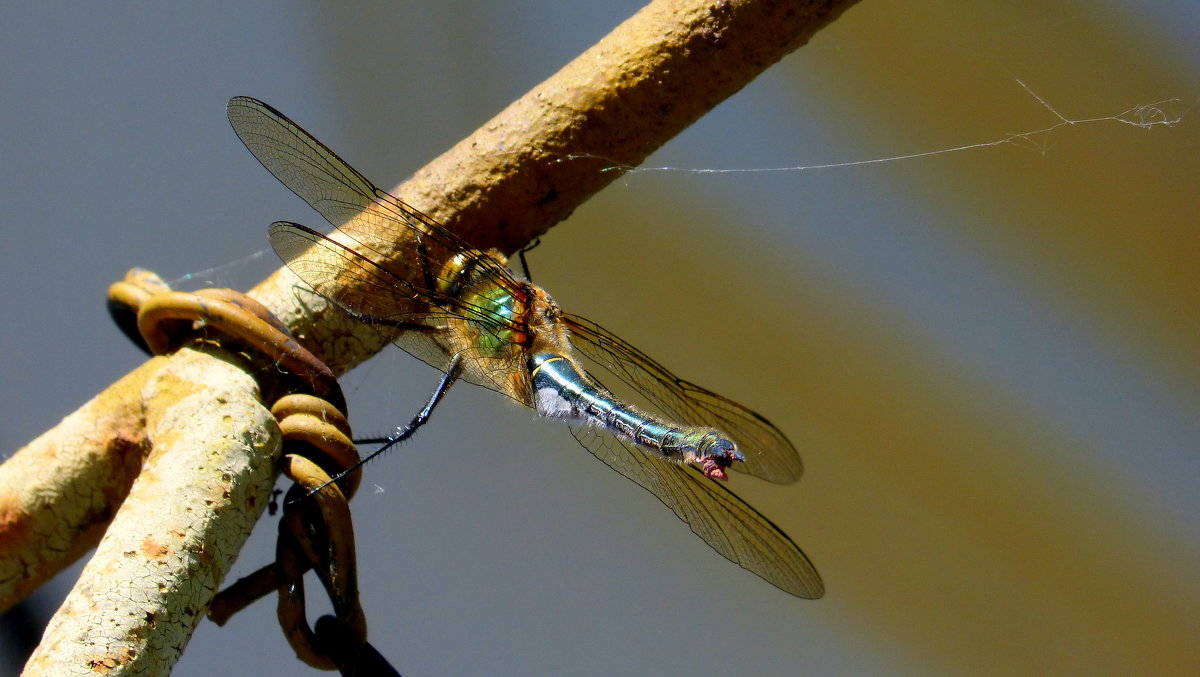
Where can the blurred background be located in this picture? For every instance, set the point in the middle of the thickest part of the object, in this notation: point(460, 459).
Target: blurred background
point(989, 359)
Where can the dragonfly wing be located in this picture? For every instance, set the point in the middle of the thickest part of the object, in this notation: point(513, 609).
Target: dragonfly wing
point(499, 369)
point(342, 275)
point(380, 227)
point(769, 454)
point(387, 261)
point(724, 521)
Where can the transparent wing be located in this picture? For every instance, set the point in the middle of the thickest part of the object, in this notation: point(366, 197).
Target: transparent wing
point(724, 521)
point(385, 262)
point(392, 235)
point(769, 454)
point(346, 277)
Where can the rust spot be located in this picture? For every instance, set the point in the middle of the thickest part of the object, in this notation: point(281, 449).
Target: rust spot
point(154, 550)
point(103, 665)
point(204, 554)
point(14, 526)
point(108, 663)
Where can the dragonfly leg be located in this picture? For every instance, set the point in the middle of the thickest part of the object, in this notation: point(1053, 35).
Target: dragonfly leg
point(403, 433)
point(453, 370)
point(423, 257)
point(521, 256)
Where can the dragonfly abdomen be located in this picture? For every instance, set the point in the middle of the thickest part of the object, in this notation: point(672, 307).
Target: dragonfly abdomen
point(561, 391)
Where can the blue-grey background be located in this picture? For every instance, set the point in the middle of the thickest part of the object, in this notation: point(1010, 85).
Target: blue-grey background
point(988, 358)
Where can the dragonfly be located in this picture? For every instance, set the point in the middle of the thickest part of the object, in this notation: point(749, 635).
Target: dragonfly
point(464, 312)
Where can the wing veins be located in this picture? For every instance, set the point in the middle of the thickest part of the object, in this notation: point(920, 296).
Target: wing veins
point(769, 454)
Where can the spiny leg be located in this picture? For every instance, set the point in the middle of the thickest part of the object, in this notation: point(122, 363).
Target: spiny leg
point(453, 370)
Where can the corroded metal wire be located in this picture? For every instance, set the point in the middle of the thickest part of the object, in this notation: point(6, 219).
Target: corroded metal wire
point(316, 532)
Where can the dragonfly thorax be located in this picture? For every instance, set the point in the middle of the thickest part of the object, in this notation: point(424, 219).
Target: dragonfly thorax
point(464, 270)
